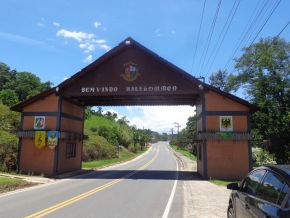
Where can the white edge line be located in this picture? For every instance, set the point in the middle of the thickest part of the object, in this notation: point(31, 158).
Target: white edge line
point(170, 200)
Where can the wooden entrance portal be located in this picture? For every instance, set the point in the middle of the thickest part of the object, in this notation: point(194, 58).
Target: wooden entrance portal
point(52, 123)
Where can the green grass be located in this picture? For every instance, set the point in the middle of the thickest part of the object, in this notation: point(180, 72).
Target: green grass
point(184, 152)
point(124, 156)
point(9, 180)
point(96, 121)
point(10, 184)
point(221, 182)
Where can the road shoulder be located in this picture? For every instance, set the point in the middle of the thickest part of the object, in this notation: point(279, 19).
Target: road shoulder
point(201, 198)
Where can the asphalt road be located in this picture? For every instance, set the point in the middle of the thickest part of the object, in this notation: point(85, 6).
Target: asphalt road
point(141, 188)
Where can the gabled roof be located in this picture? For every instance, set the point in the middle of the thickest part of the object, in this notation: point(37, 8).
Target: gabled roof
point(131, 43)
point(128, 42)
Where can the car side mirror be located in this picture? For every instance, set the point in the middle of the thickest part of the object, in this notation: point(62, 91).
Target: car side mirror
point(233, 186)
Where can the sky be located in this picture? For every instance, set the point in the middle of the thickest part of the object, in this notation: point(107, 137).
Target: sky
point(55, 39)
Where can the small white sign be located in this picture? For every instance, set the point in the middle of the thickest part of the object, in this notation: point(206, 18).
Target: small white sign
point(226, 123)
point(39, 122)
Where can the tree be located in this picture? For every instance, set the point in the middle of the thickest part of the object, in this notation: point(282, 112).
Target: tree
point(9, 120)
point(186, 135)
point(221, 80)
point(8, 97)
point(164, 137)
point(28, 84)
point(265, 74)
point(7, 77)
point(88, 112)
point(9, 123)
point(21, 84)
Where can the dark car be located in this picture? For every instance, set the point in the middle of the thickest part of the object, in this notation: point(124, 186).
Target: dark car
point(265, 192)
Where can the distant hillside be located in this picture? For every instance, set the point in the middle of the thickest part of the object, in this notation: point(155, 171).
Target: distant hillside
point(105, 131)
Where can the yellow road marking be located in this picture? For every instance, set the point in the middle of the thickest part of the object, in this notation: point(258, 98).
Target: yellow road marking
point(88, 193)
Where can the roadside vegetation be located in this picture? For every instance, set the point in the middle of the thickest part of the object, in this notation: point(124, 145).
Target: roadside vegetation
point(222, 182)
point(110, 139)
point(184, 141)
point(124, 155)
point(183, 150)
point(10, 184)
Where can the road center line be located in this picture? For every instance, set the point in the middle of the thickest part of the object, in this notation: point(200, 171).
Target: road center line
point(89, 193)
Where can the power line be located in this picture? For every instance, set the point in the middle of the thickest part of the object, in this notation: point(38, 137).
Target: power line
point(223, 34)
point(253, 19)
point(261, 28)
point(198, 35)
point(261, 55)
point(283, 29)
point(268, 18)
point(272, 10)
point(259, 22)
point(210, 34)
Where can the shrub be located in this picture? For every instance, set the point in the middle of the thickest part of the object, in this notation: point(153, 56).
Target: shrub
point(134, 147)
point(109, 133)
point(97, 147)
point(262, 157)
point(173, 142)
point(125, 136)
point(8, 151)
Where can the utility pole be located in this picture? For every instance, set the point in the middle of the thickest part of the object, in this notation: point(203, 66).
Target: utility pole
point(177, 126)
point(172, 134)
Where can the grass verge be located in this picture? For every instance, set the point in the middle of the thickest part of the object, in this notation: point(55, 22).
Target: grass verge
point(10, 184)
point(222, 182)
point(184, 151)
point(125, 155)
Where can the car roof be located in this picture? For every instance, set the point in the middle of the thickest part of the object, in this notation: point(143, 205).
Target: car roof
point(283, 170)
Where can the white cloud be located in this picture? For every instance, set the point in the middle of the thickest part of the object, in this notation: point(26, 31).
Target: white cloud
point(97, 24)
point(161, 118)
point(56, 24)
point(106, 47)
point(88, 59)
point(88, 42)
point(78, 36)
point(40, 24)
point(112, 111)
point(157, 32)
point(128, 108)
point(100, 41)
